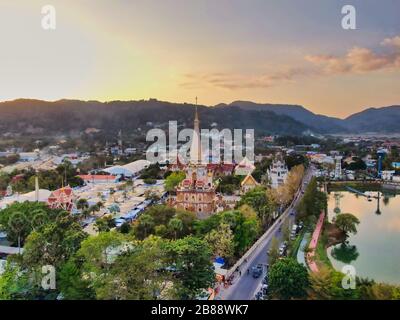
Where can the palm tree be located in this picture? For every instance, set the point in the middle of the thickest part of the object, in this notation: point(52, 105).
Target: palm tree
point(147, 222)
point(82, 204)
point(114, 208)
point(175, 225)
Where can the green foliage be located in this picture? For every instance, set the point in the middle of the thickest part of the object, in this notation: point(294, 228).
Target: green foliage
point(114, 266)
point(53, 243)
point(175, 225)
point(288, 279)
point(20, 219)
point(105, 224)
point(261, 169)
point(273, 254)
point(190, 257)
point(154, 217)
point(347, 223)
point(327, 284)
point(245, 229)
point(172, 181)
point(221, 241)
point(82, 204)
point(149, 181)
point(14, 284)
point(137, 275)
point(72, 284)
point(358, 164)
point(151, 172)
point(345, 253)
point(229, 184)
point(313, 202)
point(258, 200)
point(125, 228)
point(295, 159)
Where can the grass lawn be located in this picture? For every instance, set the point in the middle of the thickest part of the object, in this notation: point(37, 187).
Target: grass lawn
point(295, 245)
point(321, 255)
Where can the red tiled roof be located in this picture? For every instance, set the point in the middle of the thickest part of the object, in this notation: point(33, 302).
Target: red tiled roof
point(61, 198)
point(90, 177)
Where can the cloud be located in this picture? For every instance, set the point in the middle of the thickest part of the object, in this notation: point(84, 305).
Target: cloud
point(357, 60)
point(237, 81)
point(360, 60)
point(392, 42)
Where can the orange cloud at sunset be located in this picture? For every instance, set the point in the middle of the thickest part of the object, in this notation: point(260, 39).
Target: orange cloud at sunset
point(359, 60)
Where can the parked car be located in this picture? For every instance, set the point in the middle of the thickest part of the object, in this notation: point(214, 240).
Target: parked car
point(264, 290)
point(282, 249)
point(259, 295)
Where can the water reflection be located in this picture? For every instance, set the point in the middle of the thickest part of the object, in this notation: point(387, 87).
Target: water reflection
point(345, 252)
point(375, 250)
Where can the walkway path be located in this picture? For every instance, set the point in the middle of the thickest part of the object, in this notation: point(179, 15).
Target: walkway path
point(313, 244)
point(301, 255)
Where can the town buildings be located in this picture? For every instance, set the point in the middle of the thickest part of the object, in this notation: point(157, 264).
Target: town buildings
point(248, 184)
point(277, 173)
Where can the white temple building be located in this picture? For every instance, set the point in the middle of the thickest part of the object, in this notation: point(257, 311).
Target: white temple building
point(277, 173)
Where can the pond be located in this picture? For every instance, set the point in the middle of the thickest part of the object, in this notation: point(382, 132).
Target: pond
point(375, 250)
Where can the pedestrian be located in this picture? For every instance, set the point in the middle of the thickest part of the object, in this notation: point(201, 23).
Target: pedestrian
point(248, 271)
point(240, 273)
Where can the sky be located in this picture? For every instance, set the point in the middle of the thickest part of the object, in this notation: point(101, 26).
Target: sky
point(267, 51)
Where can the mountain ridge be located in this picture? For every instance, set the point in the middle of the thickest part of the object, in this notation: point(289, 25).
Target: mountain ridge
point(53, 116)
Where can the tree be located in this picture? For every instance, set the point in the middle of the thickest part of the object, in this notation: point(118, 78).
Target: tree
point(188, 219)
point(286, 229)
point(54, 243)
point(176, 226)
point(244, 225)
point(288, 279)
point(105, 224)
point(139, 274)
point(15, 284)
point(72, 284)
point(82, 204)
point(294, 179)
point(293, 160)
point(258, 200)
point(327, 284)
point(229, 184)
point(144, 226)
point(149, 181)
point(347, 223)
point(96, 251)
point(345, 253)
point(114, 208)
point(151, 172)
point(273, 251)
point(313, 201)
point(161, 214)
point(357, 164)
point(221, 241)
point(191, 258)
point(245, 232)
point(125, 228)
point(173, 180)
point(20, 219)
point(382, 291)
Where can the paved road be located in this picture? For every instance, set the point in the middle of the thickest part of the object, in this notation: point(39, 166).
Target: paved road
point(245, 286)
